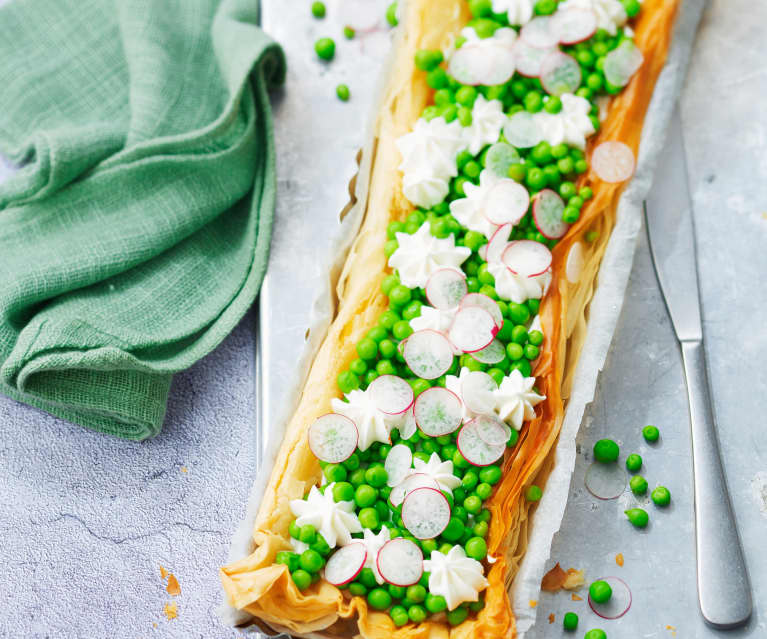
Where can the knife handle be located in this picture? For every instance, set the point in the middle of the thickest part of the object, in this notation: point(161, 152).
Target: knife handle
point(724, 592)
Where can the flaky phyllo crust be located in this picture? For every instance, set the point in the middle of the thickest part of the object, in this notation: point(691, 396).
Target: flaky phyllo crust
point(265, 589)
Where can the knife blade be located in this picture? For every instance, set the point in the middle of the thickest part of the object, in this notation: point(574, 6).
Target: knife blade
point(724, 593)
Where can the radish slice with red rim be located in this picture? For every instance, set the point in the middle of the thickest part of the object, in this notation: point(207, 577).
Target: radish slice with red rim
point(539, 33)
point(400, 562)
point(476, 450)
point(499, 157)
point(492, 430)
point(527, 258)
point(606, 481)
point(548, 208)
point(445, 288)
point(618, 604)
point(333, 438)
point(498, 243)
point(529, 60)
point(397, 465)
point(408, 427)
point(560, 73)
point(506, 202)
point(484, 302)
point(473, 329)
point(428, 353)
point(622, 63)
point(438, 411)
point(425, 513)
point(574, 25)
point(488, 65)
point(491, 354)
point(522, 130)
point(391, 394)
point(477, 390)
point(346, 563)
point(411, 483)
point(613, 161)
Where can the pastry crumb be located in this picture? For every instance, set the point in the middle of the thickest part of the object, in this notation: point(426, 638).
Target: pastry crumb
point(533, 603)
point(557, 579)
point(183, 469)
point(551, 617)
point(173, 587)
point(170, 610)
point(619, 559)
point(154, 624)
point(163, 572)
point(575, 597)
point(672, 629)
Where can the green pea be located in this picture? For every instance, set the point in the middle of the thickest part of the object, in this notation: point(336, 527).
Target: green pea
point(497, 375)
point(379, 599)
point(570, 621)
point(365, 496)
point(357, 589)
point(553, 104)
point(343, 491)
point(437, 78)
point(311, 561)
point(428, 59)
point(535, 338)
point(368, 518)
point(523, 366)
point(398, 615)
point(533, 493)
point(600, 591)
point(661, 496)
point(457, 616)
point(466, 96)
point(334, 473)
point(287, 558)
point(325, 48)
point(514, 351)
point(545, 7)
point(633, 462)
point(416, 593)
point(347, 382)
point(606, 451)
point(402, 330)
point(472, 504)
point(650, 433)
point(484, 490)
point(349, 33)
point(637, 517)
point(519, 334)
point(454, 529)
point(632, 7)
point(518, 313)
point(400, 295)
point(367, 578)
point(294, 529)
point(638, 485)
point(513, 439)
point(533, 101)
point(490, 474)
point(596, 633)
point(435, 603)
point(531, 352)
point(541, 153)
point(353, 463)
point(301, 578)
point(342, 91)
point(416, 613)
point(358, 367)
point(581, 166)
point(308, 534)
point(391, 14)
point(459, 461)
point(459, 494)
point(586, 193)
point(476, 548)
point(318, 9)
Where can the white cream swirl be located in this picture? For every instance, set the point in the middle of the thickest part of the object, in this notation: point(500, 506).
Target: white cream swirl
point(518, 288)
point(515, 399)
point(334, 520)
point(372, 424)
point(373, 544)
point(571, 125)
point(610, 13)
point(440, 471)
point(468, 211)
point(455, 576)
point(454, 384)
point(487, 120)
point(518, 11)
point(420, 254)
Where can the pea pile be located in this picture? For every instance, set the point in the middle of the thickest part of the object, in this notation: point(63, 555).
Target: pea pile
point(362, 478)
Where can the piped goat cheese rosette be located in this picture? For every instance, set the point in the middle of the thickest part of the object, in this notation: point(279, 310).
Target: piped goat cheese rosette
point(397, 504)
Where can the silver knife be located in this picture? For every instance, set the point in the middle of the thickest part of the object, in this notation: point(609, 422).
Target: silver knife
point(724, 592)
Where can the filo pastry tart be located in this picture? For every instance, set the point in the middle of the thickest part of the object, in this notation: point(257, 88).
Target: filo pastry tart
point(401, 498)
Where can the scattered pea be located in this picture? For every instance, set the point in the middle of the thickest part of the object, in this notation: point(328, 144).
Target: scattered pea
point(349, 33)
point(318, 9)
point(342, 91)
point(638, 485)
point(638, 517)
point(391, 14)
point(651, 433)
point(606, 451)
point(534, 493)
point(596, 633)
point(325, 48)
point(600, 591)
point(633, 462)
point(661, 496)
point(570, 621)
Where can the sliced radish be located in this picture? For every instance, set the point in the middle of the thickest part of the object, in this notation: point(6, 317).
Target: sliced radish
point(425, 513)
point(560, 73)
point(499, 157)
point(618, 604)
point(613, 161)
point(506, 202)
point(408, 428)
point(391, 394)
point(574, 264)
point(491, 354)
point(346, 563)
point(538, 33)
point(529, 59)
point(484, 63)
point(622, 63)
point(522, 130)
point(498, 243)
point(487, 303)
point(413, 482)
point(548, 208)
point(445, 288)
point(438, 411)
point(606, 481)
point(476, 450)
point(472, 329)
point(477, 390)
point(333, 438)
point(492, 430)
point(527, 258)
point(397, 465)
point(428, 353)
point(400, 562)
point(574, 25)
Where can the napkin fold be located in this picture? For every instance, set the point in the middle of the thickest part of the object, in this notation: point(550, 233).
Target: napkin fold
point(135, 234)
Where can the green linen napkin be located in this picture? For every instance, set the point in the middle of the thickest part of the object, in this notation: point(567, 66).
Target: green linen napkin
point(136, 234)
